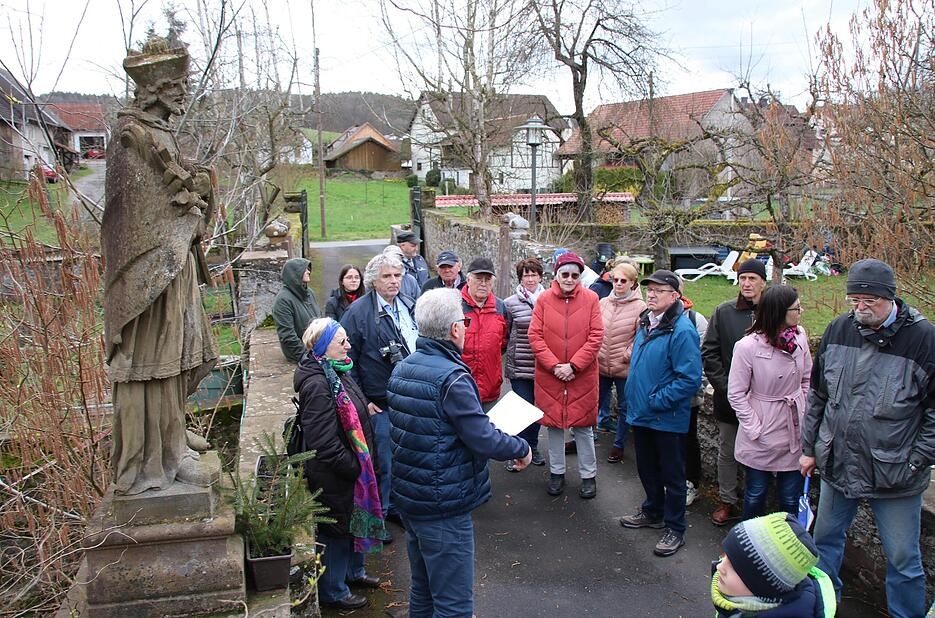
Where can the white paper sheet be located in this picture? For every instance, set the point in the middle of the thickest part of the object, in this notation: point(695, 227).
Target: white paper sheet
point(512, 414)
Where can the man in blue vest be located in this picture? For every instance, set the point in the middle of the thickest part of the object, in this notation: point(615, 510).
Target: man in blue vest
point(441, 443)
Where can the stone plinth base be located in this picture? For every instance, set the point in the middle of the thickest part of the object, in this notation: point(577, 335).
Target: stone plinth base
point(161, 553)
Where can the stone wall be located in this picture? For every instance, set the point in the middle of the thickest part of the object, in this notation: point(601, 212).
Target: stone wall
point(864, 563)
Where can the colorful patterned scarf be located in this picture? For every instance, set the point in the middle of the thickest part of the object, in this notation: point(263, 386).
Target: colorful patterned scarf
point(366, 523)
point(530, 297)
point(786, 339)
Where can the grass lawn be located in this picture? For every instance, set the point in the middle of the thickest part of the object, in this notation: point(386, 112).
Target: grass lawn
point(356, 208)
point(822, 300)
point(17, 212)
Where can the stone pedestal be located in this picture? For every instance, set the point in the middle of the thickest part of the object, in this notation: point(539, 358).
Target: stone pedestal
point(162, 553)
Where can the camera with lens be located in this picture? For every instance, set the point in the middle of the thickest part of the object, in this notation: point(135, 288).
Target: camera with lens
point(393, 352)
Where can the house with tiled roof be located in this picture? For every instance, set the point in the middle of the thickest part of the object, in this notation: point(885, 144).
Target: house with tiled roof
point(440, 139)
point(362, 148)
point(30, 134)
point(672, 118)
point(87, 123)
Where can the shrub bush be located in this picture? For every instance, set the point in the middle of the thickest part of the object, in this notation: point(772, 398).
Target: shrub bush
point(412, 180)
point(433, 177)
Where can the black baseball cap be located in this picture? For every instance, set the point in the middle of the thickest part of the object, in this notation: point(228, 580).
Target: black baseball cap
point(407, 237)
point(447, 258)
point(481, 265)
point(664, 277)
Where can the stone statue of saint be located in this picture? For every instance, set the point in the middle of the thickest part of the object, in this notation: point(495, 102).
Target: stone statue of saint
point(158, 339)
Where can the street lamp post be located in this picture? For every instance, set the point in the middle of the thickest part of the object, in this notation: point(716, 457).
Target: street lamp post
point(533, 127)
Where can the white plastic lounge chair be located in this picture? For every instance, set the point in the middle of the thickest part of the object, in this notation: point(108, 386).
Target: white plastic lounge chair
point(803, 268)
point(725, 268)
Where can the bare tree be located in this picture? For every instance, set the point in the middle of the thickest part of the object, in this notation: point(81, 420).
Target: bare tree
point(877, 121)
point(480, 47)
point(596, 38)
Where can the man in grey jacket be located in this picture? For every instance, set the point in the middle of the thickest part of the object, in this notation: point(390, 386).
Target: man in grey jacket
point(870, 429)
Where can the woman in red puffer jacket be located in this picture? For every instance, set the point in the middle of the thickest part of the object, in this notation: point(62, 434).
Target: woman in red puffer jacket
point(566, 334)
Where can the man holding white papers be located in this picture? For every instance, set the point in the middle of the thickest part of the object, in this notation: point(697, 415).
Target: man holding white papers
point(441, 443)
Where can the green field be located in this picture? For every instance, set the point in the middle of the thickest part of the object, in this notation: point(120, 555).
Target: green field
point(18, 212)
point(356, 208)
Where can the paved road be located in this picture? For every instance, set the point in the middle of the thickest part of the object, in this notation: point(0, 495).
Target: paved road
point(328, 257)
point(92, 187)
point(542, 556)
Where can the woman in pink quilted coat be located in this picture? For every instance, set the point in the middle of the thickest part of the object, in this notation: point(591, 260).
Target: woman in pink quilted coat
point(565, 334)
point(767, 387)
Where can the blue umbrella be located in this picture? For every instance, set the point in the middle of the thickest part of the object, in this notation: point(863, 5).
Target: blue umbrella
point(806, 515)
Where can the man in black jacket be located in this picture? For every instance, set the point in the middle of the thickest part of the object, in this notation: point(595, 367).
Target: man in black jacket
point(448, 265)
point(382, 331)
point(727, 326)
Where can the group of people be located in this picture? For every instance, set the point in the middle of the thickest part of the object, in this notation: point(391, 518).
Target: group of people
point(427, 368)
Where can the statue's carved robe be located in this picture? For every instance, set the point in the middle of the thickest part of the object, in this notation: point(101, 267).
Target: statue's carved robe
point(158, 340)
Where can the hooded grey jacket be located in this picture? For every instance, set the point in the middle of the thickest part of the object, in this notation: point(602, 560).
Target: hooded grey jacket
point(294, 308)
point(871, 406)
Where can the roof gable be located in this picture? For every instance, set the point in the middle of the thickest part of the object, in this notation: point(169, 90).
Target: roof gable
point(16, 104)
point(504, 113)
point(355, 136)
point(80, 116)
point(671, 117)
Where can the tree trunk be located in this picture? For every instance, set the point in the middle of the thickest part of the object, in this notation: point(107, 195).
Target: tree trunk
point(584, 172)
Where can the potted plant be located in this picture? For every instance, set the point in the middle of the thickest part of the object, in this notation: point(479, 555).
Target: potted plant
point(272, 508)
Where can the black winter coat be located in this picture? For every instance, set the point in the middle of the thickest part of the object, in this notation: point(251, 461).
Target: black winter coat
point(335, 468)
point(336, 306)
point(727, 326)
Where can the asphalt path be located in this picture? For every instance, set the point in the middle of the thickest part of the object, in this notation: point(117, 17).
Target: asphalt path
point(538, 555)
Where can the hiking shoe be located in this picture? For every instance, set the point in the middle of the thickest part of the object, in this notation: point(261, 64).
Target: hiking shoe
point(510, 467)
point(690, 493)
point(641, 520)
point(537, 459)
point(588, 488)
point(556, 484)
point(607, 427)
point(724, 514)
point(668, 544)
point(616, 455)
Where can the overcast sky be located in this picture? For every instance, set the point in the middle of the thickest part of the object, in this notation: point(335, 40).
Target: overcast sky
point(713, 42)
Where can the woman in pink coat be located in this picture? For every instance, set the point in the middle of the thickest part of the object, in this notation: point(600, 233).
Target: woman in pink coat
point(767, 387)
point(565, 335)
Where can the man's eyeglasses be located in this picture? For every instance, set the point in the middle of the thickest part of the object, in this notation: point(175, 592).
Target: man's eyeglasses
point(566, 275)
point(466, 320)
point(869, 303)
point(655, 291)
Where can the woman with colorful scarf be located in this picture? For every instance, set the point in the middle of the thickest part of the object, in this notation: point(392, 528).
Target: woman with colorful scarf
point(336, 425)
point(767, 387)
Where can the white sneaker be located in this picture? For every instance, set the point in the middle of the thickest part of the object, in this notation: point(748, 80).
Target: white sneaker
point(690, 493)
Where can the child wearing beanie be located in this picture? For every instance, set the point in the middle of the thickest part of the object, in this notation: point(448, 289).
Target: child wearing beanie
point(768, 570)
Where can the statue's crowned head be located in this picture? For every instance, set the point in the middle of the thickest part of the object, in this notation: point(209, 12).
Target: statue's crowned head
point(160, 72)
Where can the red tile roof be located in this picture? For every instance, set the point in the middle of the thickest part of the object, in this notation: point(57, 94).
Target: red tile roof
point(80, 116)
point(672, 117)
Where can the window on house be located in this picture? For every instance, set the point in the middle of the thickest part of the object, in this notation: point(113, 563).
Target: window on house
point(418, 167)
point(501, 178)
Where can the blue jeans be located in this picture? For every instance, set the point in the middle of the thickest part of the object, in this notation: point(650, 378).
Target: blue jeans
point(381, 435)
point(898, 521)
point(660, 463)
point(788, 490)
point(342, 564)
point(603, 408)
point(441, 561)
point(527, 390)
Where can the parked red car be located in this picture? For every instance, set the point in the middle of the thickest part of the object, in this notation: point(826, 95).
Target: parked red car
point(94, 153)
point(50, 174)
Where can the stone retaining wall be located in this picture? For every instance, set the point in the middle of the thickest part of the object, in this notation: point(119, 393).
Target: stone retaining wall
point(864, 563)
